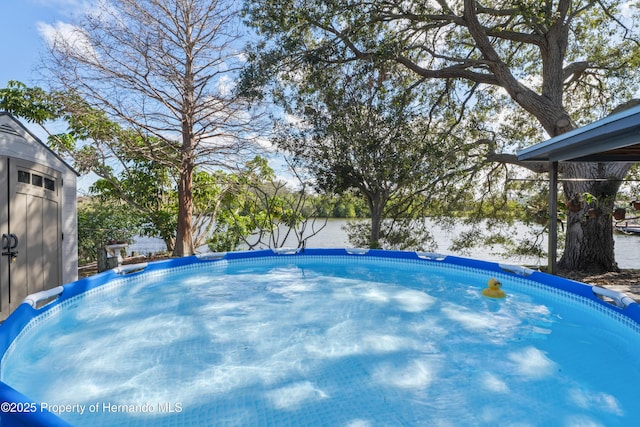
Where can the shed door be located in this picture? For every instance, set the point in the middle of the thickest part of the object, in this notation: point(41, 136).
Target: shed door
point(4, 228)
point(33, 259)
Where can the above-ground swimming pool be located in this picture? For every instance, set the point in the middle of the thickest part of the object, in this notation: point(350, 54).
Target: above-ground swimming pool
point(326, 337)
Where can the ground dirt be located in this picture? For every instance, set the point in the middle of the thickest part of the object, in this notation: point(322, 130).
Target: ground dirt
point(626, 281)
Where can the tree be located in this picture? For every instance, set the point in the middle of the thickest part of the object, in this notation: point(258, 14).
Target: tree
point(164, 68)
point(260, 211)
point(363, 128)
point(146, 190)
point(96, 144)
point(563, 62)
point(99, 222)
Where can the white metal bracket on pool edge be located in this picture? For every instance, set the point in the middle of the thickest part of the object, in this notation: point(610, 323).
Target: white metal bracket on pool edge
point(619, 299)
point(516, 269)
point(34, 299)
point(210, 256)
point(356, 251)
point(131, 268)
point(433, 256)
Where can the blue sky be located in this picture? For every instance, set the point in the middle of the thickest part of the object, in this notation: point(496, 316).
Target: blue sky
point(20, 41)
point(21, 45)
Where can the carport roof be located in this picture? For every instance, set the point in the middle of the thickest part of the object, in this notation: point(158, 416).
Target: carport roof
point(611, 139)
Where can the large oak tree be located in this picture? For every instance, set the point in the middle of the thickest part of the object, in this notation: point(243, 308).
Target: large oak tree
point(564, 62)
point(365, 128)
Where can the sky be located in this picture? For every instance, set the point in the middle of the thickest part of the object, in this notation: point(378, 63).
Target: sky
point(21, 45)
point(22, 23)
point(20, 40)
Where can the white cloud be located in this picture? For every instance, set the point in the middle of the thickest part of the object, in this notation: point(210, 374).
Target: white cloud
point(50, 33)
point(63, 36)
point(627, 11)
point(225, 86)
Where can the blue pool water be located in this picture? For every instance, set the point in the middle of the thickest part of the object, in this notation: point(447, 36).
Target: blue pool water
point(340, 341)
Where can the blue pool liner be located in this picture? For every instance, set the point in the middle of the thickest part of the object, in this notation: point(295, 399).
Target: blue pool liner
point(18, 410)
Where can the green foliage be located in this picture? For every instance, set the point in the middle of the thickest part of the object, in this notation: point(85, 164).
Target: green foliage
point(237, 217)
point(260, 211)
point(405, 234)
point(147, 189)
point(30, 103)
point(62, 142)
point(434, 40)
point(343, 210)
point(99, 222)
point(518, 71)
point(345, 205)
point(364, 130)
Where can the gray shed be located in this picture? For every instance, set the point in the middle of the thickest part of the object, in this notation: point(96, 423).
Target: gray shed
point(38, 216)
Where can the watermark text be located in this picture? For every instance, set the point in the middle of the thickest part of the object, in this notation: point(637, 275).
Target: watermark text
point(97, 407)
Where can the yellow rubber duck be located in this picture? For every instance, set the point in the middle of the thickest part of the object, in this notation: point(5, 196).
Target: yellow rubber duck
point(493, 289)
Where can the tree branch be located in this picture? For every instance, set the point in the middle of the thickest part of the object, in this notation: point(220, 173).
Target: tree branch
point(574, 69)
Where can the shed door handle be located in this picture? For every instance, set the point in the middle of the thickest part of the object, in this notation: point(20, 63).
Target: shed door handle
point(9, 243)
point(15, 241)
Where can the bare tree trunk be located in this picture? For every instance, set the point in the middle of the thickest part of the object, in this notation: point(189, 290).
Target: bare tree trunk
point(589, 242)
point(184, 232)
point(184, 235)
point(590, 245)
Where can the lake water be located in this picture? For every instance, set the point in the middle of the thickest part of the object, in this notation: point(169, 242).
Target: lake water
point(334, 236)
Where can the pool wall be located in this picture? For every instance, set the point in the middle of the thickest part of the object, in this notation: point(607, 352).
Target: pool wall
point(18, 410)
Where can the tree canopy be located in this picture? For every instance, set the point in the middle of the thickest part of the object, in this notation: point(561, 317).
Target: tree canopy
point(367, 129)
point(562, 63)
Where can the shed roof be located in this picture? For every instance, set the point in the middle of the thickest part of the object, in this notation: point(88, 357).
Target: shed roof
point(611, 139)
point(17, 129)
